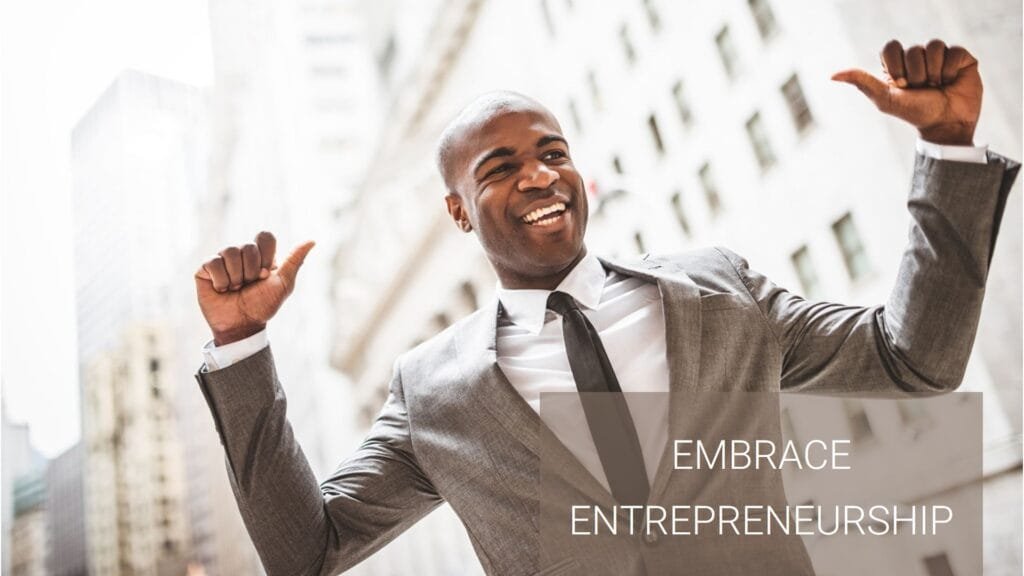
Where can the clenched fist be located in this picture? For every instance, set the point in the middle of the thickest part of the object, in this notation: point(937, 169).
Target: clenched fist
point(935, 88)
point(240, 288)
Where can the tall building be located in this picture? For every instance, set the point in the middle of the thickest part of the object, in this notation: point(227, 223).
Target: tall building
point(138, 161)
point(20, 459)
point(695, 124)
point(135, 490)
point(65, 517)
point(28, 530)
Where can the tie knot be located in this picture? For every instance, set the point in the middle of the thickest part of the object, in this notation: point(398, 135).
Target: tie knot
point(561, 303)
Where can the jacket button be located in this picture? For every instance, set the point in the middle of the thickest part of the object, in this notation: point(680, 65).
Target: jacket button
point(651, 538)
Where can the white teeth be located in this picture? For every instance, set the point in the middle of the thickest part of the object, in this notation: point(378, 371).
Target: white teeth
point(533, 217)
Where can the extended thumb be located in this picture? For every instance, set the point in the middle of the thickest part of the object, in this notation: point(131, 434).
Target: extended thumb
point(291, 264)
point(872, 87)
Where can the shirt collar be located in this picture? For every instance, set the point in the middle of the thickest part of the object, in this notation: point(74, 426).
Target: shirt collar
point(527, 308)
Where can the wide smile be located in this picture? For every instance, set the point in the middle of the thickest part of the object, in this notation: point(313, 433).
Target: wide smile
point(547, 215)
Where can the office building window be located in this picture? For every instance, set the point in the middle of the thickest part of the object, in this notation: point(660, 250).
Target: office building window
point(788, 429)
point(468, 294)
point(653, 18)
point(711, 195)
point(759, 141)
point(545, 10)
point(639, 240)
point(857, 420)
point(617, 165)
point(682, 104)
point(575, 114)
point(854, 255)
point(680, 212)
point(913, 414)
point(805, 272)
point(652, 125)
point(727, 51)
point(595, 90)
point(797, 104)
point(938, 565)
point(328, 39)
point(627, 44)
point(764, 18)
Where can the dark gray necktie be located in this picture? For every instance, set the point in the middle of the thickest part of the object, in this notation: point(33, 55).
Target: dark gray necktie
point(611, 425)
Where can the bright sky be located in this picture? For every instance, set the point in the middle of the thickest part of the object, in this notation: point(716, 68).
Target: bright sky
point(56, 57)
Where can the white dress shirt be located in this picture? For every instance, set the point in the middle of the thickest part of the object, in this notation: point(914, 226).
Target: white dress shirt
point(626, 312)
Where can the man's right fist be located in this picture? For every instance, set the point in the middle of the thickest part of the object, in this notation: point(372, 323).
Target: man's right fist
point(241, 288)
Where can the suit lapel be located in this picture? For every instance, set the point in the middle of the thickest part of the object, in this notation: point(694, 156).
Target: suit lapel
point(681, 305)
point(476, 346)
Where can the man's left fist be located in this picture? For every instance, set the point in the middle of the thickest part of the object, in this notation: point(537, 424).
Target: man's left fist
point(935, 88)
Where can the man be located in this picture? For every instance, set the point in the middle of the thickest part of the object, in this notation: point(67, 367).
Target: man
point(461, 422)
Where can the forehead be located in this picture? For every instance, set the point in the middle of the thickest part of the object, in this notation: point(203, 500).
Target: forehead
point(516, 129)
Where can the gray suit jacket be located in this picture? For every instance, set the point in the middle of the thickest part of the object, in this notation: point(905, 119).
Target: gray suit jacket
point(453, 429)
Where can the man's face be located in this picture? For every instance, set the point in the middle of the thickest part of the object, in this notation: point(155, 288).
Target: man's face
point(517, 187)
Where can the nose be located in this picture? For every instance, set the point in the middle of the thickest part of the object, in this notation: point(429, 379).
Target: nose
point(537, 176)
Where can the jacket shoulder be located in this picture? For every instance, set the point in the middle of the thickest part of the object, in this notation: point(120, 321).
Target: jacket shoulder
point(713, 269)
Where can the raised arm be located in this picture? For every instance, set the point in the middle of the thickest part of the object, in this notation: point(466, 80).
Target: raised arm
point(919, 342)
point(298, 526)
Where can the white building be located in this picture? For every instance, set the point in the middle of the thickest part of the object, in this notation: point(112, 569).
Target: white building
point(135, 493)
point(138, 160)
point(20, 459)
point(65, 519)
point(696, 124)
point(28, 529)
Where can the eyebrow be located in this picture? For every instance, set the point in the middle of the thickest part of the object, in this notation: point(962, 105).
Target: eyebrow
point(506, 151)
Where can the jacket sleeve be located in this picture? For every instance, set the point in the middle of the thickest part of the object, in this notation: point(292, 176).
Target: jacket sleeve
point(298, 527)
point(919, 341)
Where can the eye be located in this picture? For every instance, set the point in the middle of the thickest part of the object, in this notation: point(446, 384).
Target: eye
point(554, 155)
point(498, 170)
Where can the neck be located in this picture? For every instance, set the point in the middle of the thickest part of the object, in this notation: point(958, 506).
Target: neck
point(514, 281)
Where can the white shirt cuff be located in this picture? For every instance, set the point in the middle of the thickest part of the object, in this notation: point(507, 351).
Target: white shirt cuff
point(218, 357)
point(975, 154)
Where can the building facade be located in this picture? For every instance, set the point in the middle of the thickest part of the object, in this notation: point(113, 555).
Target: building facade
point(695, 124)
point(135, 489)
point(138, 166)
point(28, 530)
point(65, 518)
point(20, 458)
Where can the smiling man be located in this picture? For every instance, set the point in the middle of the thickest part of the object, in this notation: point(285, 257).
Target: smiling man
point(463, 422)
point(511, 178)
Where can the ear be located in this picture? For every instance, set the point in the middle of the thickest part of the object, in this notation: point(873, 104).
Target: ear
point(458, 212)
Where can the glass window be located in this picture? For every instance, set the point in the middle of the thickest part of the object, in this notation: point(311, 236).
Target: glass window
point(575, 114)
point(653, 18)
point(627, 44)
point(759, 141)
point(682, 104)
point(652, 125)
point(707, 182)
point(764, 18)
point(617, 165)
point(938, 565)
point(549, 22)
point(727, 51)
point(639, 240)
point(595, 90)
point(680, 212)
point(805, 272)
point(854, 255)
point(797, 104)
point(857, 419)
